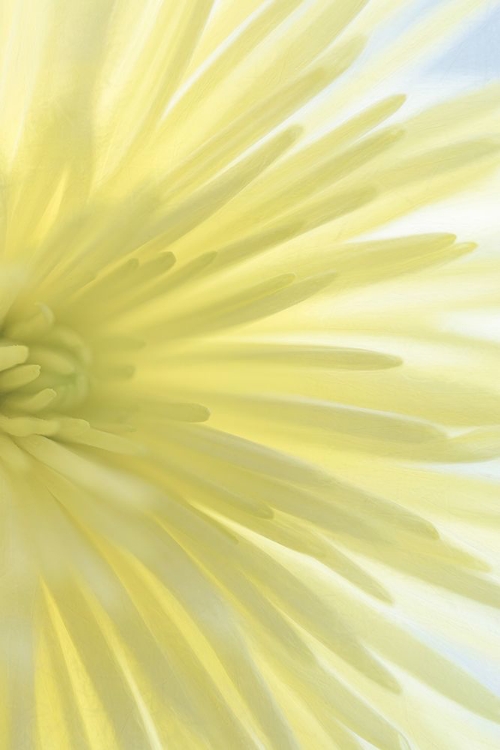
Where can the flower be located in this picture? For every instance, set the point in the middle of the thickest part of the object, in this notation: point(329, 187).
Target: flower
point(227, 405)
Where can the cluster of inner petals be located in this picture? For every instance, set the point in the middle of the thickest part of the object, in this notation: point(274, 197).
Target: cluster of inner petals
point(44, 375)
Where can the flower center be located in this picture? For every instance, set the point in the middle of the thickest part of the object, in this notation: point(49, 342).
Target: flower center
point(44, 371)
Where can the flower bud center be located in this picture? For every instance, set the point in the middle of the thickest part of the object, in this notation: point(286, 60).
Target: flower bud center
point(44, 369)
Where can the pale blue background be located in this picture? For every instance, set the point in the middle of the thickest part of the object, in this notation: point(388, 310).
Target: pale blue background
point(477, 54)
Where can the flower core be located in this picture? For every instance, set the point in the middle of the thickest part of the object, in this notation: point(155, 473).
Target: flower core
point(44, 366)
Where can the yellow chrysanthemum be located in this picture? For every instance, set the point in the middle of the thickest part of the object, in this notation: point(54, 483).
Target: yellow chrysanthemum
point(215, 487)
